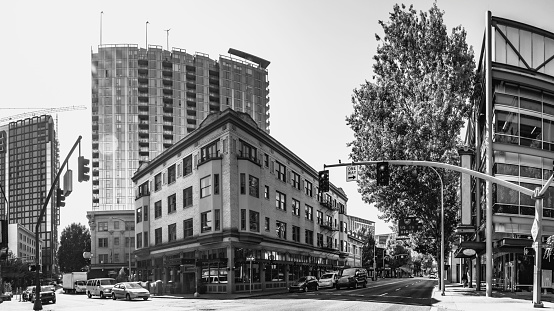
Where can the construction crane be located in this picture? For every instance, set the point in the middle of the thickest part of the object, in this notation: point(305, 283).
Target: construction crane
point(38, 112)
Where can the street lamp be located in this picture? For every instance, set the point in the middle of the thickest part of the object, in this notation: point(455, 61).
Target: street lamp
point(442, 232)
point(124, 222)
point(250, 258)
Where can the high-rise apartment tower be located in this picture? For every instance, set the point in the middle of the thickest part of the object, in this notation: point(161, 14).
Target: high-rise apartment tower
point(145, 100)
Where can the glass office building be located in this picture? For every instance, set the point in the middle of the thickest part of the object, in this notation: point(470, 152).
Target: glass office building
point(28, 166)
point(515, 109)
point(145, 100)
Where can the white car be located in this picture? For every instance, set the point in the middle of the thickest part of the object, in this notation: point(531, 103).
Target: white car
point(129, 291)
point(328, 279)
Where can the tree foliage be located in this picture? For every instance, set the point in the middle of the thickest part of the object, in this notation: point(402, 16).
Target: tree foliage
point(75, 240)
point(414, 109)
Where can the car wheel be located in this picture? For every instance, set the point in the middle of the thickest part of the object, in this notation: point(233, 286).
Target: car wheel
point(89, 295)
point(145, 298)
point(53, 300)
point(128, 297)
point(316, 287)
point(113, 296)
point(102, 295)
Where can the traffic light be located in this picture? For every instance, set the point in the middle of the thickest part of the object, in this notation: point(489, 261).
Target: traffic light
point(528, 251)
point(60, 198)
point(83, 169)
point(324, 181)
point(382, 174)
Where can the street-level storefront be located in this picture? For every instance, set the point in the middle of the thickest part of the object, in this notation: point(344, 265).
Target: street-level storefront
point(230, 268)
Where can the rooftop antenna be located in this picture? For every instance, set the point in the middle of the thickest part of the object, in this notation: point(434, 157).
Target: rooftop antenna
point(101, 13)
point(167, 37)
point(147, 35)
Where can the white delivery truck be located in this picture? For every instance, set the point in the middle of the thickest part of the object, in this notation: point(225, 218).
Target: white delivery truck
point(74, 282)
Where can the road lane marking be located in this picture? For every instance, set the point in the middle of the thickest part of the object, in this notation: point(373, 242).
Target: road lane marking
point(383, 294)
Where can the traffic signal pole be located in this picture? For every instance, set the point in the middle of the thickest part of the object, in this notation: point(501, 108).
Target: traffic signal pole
point(536, 195)
point(38, 302)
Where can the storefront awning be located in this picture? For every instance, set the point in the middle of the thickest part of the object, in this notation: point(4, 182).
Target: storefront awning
point(469, 249)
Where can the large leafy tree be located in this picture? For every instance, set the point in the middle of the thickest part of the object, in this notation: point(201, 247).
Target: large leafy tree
point(414, 109)
point(75, 240)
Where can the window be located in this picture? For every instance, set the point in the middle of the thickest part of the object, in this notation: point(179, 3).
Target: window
point(172, 232)
point(145, 234)
point(296, 234)
point(295, 180)
point(103, 258)
point(319, 240)
point(158, 209)
point(102, 226)
point(280, 200)
point(116, 225)
point(158, 236)
point(329, 221)
point(187, 228)
point(295, 207)
point(308, 188)
point(216, 183)
point(158, 182)
point(187, 165)
point(266, 160)
point(266, 192)
point(254, 221)
point(309, 237)
point(319, 218)
point(145, 213)
point(187, 197)
point(242, 183)
point(129, 225)
point(253, 186)
point(116, 241)
point(247, 151)
point(281, 229)
point(171, 174)
point(281, 171)
point(205, 187)
point(217, 219)
point(266, 226)
point(208, 152)
point(329, 242)
point(171, 203)
point(206, 222)
point(102, 242)
point(139, 240)
point(139, 214)
point(309, 212)
point(243, 219)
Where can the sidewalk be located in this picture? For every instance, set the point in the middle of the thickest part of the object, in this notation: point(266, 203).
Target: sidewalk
point(223, 295)
point(468, 299)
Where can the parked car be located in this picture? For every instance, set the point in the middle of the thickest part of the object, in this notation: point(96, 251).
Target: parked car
point(129, 291)
point(432, 275)
point(352, 277)
point(328, 280)
point(100, 287)
point(47, 294)
point(304, 284)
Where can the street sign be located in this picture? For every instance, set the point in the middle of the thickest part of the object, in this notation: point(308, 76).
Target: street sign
point(352, 173)
point(535, 230)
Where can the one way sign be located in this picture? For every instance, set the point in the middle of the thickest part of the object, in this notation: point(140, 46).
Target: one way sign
point(352, 173)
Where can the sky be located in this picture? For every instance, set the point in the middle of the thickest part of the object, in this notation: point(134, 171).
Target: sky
point(320, 51)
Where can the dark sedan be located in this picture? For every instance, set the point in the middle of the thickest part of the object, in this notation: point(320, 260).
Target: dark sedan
point(47, 294)
point(304, 284)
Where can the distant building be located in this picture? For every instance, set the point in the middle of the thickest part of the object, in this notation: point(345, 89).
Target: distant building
point(146, 100)
point(29, 162)
point(21, 242)
point(236, 206)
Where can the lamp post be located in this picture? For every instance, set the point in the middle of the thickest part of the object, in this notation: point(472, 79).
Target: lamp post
point(250, 258)
point(442, 233)
point(124, 222)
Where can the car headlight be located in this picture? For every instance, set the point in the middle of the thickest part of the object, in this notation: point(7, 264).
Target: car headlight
point(107, 290)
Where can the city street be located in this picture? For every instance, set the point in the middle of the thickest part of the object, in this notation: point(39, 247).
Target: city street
point(389, 294)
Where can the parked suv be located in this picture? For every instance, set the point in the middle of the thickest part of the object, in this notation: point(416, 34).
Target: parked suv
point(352, 277)
point(100, 287)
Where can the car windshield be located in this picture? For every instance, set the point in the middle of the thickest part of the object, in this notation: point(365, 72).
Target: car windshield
point(107, 282)
point(302, 279)
point(45, 288)
point(348, 272)
point(132, 285)
point(327, 276)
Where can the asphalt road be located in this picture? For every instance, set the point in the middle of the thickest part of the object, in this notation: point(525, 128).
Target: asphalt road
point(384, 294)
